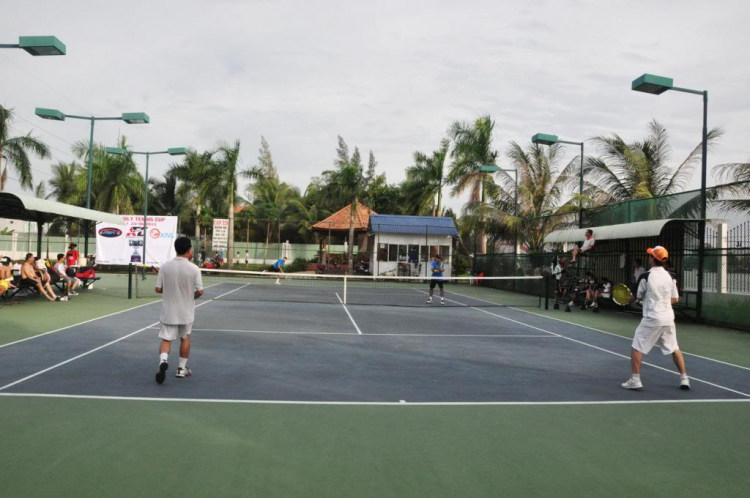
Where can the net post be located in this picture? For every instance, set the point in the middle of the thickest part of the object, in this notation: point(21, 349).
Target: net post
point(545, 291)
point(130, 281)
point(345, 279)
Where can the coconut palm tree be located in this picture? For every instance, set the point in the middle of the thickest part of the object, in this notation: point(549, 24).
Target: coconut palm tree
point(734, 195)
point(425, 180)
point(472, 149)
point(541, 187)
point(227, 158)
point(639, 170)
point(65, 183)
point(199, 177)
point(14, 151)
point(116, 184)
point(347, 184)
point(164, 196)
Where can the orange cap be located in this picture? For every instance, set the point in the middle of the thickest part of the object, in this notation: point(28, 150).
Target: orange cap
point(659, 253)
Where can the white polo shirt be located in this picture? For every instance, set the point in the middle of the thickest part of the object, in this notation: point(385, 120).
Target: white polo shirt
point(179, 279)
point(656, 290)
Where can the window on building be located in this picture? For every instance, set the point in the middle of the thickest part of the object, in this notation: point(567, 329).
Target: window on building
point(423, 256)
point(382, 252)
point(392, 252)
point(445, 253)
point(402, 252)
point(413, 253)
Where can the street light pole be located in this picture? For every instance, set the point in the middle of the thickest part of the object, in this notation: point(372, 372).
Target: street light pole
point(656, 85)
point(56, 115)
point(38, 45)
point(175, 151)
point(546, 139)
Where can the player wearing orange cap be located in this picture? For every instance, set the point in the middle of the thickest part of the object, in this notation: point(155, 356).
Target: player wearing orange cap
point(658, 292)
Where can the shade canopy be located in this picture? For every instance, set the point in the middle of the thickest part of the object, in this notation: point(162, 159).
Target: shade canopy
point(27, 208)
point(651, 228)
point(650, 83)
point(339, 221)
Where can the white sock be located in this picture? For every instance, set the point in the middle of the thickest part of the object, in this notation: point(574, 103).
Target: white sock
point(183, 362)
point(163, 356)
point(636, 376)
point(683, 376)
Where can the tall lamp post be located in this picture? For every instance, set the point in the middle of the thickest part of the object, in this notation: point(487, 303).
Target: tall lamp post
point(544, 139)
point(38, 45)
point(175, 151)
point(128, 117)
point(656, 85)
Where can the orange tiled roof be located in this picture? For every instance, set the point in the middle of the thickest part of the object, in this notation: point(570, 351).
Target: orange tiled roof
point(340, 219)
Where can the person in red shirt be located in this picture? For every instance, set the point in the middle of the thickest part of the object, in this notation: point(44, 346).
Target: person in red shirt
point(72, 256)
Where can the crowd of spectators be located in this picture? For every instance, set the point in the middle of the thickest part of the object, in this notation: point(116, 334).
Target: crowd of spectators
point(54, 280)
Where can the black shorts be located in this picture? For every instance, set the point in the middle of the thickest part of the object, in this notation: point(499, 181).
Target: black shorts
point(434, 282)
point(274, 269)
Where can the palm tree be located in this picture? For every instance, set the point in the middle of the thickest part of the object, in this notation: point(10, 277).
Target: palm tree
point(424, 181)
point(270, 198)
point(541, 186)
point(639, 170)
point(65, 183)
point(199, 177)
point(472, 149)
point(348, 184)
point(15, 151)
point(227, 160)
point(116, 184)
point(164, 196)
point(731, 194)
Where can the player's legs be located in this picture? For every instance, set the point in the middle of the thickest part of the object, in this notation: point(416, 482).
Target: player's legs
point(636, 359)
point(442, 292)
point(432, 290)
point(185, 347)
point(576, 250)
point(679, 361)
point(184, 331)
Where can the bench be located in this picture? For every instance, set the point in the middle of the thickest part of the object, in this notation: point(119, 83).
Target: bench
point(11, 293)
point(88, 282)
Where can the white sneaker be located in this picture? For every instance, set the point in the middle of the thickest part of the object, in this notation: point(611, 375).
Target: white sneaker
point(278, 283)
point(442, 301)
point(685, 384)
point(571, 303)
point(429, 301)
point(632, 384)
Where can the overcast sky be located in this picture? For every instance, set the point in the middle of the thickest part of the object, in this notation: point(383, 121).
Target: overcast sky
point(388, 76)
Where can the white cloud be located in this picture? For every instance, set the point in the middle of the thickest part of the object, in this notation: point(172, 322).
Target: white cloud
point(388, 76)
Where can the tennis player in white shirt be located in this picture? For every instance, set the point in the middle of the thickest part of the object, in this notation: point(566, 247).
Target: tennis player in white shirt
point(658, 292)
point(181, 283)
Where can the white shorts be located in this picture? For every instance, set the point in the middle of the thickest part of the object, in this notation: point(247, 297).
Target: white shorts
point(647, 337)
point(170, 332)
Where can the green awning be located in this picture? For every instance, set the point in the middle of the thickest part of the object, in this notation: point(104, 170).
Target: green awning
point(651, 228)
point(28, 208)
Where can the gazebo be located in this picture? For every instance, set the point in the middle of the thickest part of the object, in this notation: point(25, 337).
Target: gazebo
point(337, 225)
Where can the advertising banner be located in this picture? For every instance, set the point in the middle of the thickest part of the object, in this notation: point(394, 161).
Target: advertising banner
point(123, 244)
point(220, 238)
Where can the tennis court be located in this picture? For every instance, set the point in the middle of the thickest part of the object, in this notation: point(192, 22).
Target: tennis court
point(383, 396)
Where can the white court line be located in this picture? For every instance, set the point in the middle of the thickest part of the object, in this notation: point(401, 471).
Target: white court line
point(546, 336)
point(87, 321)
point(598, 330)
point(611, 352)
point(377, 403)
point(350, 315)
point(100, 347)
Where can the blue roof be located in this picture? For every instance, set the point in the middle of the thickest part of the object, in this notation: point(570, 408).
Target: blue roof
point(415, 225)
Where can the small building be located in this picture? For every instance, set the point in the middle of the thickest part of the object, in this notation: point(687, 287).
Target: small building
point(335, 230)
point(404, 245)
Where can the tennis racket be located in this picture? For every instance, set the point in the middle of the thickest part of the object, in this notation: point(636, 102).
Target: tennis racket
point(621, 294)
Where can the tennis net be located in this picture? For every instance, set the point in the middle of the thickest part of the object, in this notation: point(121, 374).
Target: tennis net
point(236, 285)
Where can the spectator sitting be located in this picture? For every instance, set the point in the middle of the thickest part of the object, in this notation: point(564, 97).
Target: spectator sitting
point(590, 287)
point(32, 277)
point(6, 277)
point(588, 245)
point(603, 291)
point(62, 270)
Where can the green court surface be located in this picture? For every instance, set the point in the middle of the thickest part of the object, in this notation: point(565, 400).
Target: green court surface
point(128, 447)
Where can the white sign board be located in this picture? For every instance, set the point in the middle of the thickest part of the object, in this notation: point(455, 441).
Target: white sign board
point(123, 244)
point(220, 238)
